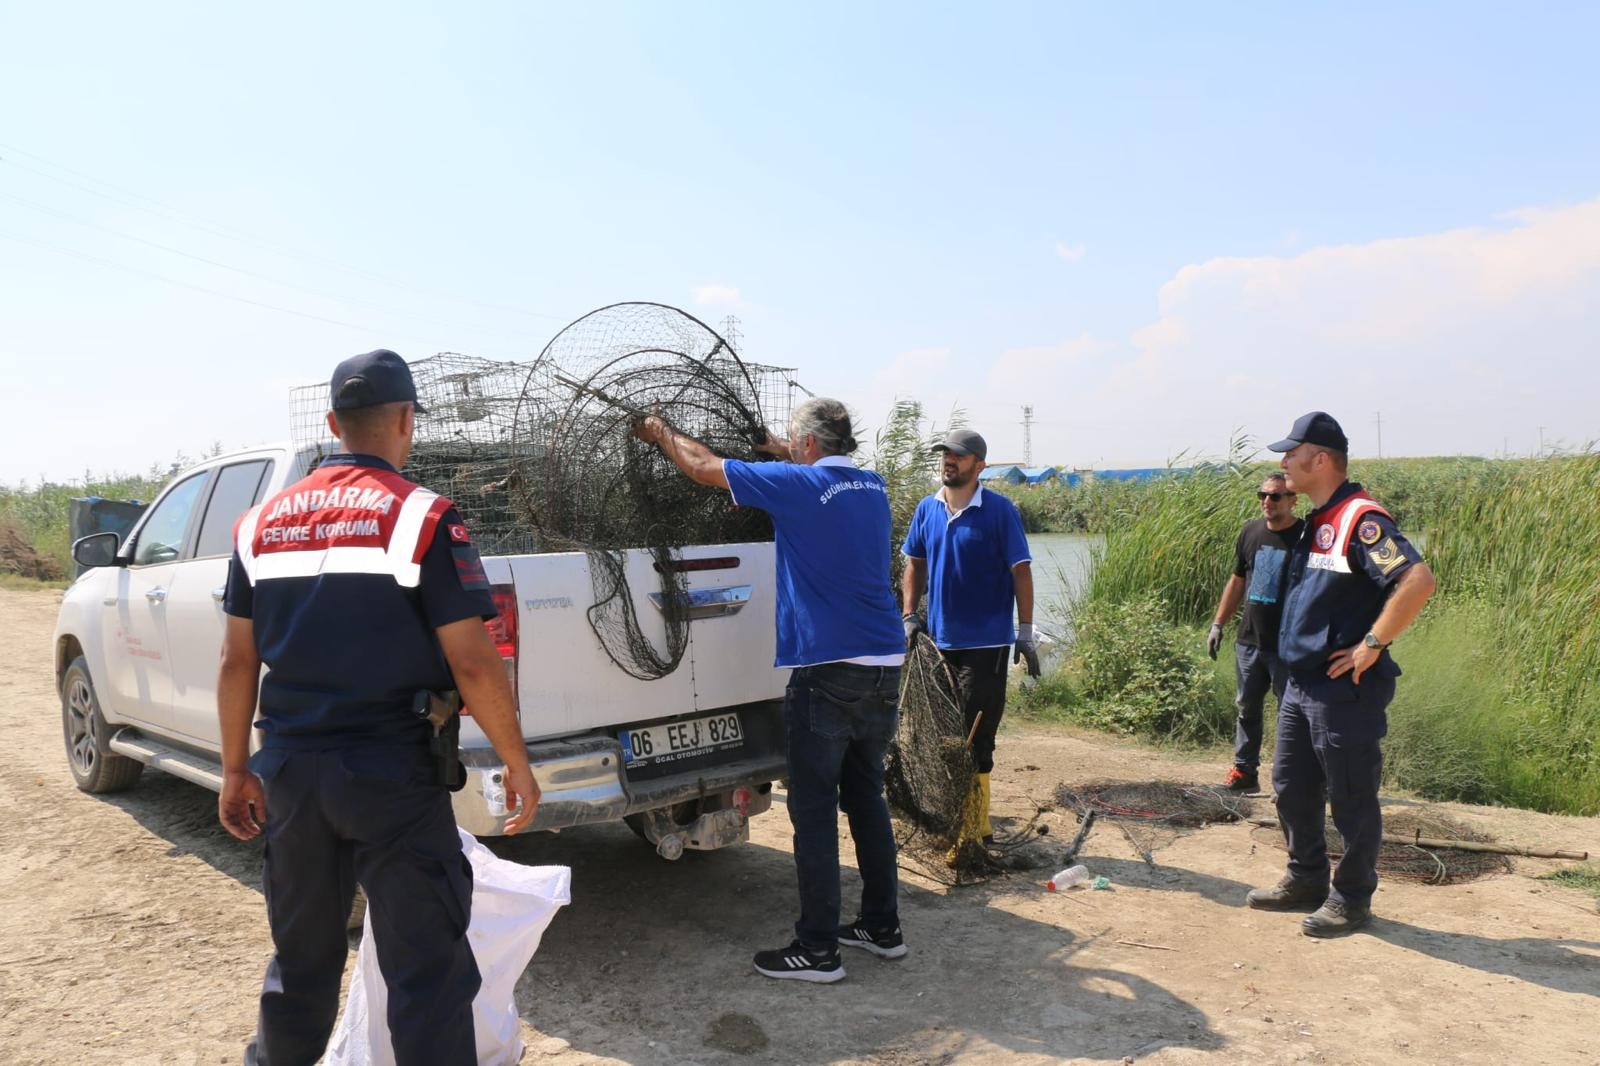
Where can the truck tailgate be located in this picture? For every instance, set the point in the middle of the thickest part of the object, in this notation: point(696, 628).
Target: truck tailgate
point(568, 683)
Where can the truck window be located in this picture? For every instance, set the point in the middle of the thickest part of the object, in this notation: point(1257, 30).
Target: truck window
point(235, 490)
point(161, 539)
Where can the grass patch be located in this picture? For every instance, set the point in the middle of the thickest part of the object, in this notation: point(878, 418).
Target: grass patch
point(1585, 877)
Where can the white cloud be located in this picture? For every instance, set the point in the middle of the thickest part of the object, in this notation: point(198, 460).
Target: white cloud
point(1072, 253)
point(1463, 340)
point(716, 296)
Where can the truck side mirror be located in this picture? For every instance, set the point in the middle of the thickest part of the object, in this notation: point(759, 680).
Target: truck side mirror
point(97, 549)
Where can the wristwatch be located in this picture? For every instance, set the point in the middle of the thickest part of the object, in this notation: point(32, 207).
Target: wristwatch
point(1371, 640)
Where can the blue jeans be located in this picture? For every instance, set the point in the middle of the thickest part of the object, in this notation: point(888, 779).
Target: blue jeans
point(1328, 739)
point(840, 719)
point(1256, 670)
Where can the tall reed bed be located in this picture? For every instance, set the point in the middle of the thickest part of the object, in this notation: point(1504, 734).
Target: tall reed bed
point(39, 514)
point(1530, 550)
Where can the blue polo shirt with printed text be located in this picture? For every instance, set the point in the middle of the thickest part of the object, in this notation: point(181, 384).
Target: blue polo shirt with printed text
point(831, 525)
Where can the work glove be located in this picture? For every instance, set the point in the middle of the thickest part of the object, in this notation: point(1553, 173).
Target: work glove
point(1027, 648)
point(913, 625)
point(1214, 639)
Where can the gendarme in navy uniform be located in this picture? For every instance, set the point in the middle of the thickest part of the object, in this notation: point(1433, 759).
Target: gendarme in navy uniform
point(1353, 584)
point(359, 590)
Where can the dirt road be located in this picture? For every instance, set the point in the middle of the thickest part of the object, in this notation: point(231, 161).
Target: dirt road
point(132, 932)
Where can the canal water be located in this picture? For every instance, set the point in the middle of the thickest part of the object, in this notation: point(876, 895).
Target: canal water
point(1061, 565)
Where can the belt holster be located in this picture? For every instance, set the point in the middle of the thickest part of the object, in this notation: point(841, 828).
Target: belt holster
point(442, 710)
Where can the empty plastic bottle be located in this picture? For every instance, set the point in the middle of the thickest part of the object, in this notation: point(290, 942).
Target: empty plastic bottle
point(1068, 877)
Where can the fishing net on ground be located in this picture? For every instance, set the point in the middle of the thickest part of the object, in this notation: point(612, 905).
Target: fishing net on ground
point(1416, 861)
point(1152, 814)
point(538, 456)
point(929, 774)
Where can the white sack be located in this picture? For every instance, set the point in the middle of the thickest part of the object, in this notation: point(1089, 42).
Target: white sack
point(512, 905)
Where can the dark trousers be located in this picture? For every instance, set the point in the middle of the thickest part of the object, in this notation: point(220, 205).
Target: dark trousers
point(840, 719)
point(1328, 744)
point(370, 816)
point(1256, 671)
point(980, 679)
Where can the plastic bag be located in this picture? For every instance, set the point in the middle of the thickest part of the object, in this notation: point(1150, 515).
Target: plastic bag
point(512, 905)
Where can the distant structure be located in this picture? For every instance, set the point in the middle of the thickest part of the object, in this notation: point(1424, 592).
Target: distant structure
point(1027, 434)
point(1008, 473)
point(1041, 475)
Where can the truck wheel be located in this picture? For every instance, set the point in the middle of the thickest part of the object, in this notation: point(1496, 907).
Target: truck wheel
point(95, 767)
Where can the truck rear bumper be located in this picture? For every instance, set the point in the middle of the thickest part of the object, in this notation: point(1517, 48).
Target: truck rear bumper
point(581, 781)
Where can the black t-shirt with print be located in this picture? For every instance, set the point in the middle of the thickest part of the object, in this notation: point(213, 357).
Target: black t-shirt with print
point(1259, 558)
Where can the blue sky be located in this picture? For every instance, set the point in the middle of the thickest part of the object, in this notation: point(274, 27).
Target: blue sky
point(1156, 224)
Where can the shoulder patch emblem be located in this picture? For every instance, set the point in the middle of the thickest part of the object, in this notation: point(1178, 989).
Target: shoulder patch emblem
point(1386, 556)
point(1369, 532)
point(1325, 535)
point(458, 533)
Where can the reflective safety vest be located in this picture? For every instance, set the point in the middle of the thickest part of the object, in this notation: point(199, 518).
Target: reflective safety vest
point(334, 566)
point(341, 520)
point(1326, 604)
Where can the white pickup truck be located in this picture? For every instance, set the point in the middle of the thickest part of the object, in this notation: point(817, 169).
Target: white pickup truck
point(686, 759)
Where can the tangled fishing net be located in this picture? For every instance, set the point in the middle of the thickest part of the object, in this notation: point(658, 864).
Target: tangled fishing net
point(929, 770)
point(1414, 861)
point(1152, 814)
point(929, 775)
point(538, 456)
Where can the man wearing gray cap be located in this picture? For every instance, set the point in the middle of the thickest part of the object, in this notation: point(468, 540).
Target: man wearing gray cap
point(966, 547)
point(1352, 585)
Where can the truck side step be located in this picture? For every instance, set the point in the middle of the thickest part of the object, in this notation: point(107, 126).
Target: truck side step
point(173, 760)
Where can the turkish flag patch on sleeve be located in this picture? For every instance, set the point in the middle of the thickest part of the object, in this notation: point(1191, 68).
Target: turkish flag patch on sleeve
point(458, 533)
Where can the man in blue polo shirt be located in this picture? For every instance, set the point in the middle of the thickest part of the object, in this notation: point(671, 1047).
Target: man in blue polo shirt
point(967, 548)
point(837, 632)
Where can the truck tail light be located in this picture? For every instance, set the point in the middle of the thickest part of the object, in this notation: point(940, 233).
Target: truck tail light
point(503, 631)
point(503, 626)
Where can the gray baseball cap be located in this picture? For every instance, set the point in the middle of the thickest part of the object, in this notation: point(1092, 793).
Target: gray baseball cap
point(963, 442)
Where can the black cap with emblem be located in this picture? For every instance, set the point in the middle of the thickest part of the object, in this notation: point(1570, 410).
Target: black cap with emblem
point(963, 442)
point(1317, 427)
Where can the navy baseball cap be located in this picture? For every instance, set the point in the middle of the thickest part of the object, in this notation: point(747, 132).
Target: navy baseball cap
point(963, 442)
point(1319, 428)
point(371, 379)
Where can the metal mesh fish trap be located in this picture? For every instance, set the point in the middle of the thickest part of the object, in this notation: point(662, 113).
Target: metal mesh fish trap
point(538, 456)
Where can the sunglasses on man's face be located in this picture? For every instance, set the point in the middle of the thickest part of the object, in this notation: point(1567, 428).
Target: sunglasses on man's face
point(1274, 496)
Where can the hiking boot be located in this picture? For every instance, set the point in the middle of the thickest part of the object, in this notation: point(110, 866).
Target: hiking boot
point(890, 945)
point(1241, 781)
point(1288, 894)
point(799, 963)
point(1335, 918)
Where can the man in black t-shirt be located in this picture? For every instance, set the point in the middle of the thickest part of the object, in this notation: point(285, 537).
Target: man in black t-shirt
point(1257, 581)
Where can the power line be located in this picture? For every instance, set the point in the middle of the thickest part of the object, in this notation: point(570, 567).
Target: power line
point(140, 202)
point(242, 270)
point(184, 284)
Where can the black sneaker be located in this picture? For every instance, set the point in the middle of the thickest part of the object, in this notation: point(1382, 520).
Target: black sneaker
point(890, 945)
point(797, 963)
